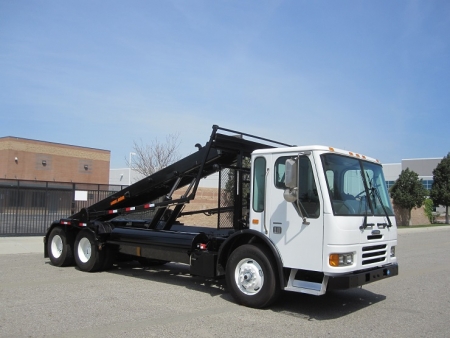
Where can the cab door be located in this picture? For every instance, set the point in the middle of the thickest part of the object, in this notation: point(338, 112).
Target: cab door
point(299, 241)
point(260, 171)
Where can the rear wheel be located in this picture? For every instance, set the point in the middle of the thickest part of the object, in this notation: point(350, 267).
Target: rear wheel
point(87, 255)
point(251, 277)
point(59, 247)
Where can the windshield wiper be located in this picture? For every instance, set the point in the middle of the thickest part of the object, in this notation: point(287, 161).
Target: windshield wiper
point(374, 192)
point(365, 224)
point(377, 194)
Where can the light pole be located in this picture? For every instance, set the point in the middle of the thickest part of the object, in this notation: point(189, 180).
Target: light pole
point(129, 169)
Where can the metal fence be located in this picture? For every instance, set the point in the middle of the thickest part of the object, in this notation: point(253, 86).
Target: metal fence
point(29, 207)
point(228, 192)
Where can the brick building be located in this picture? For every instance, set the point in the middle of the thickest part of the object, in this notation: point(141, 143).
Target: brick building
point(25, 159)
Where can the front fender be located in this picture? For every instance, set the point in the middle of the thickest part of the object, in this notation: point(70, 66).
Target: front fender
point(247, 236)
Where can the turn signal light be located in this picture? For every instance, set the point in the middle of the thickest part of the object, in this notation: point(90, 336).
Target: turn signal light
point(334, 260)
point(343, 259)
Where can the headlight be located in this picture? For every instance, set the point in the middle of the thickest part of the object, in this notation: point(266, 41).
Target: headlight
point(392, 251)
point(342, 259)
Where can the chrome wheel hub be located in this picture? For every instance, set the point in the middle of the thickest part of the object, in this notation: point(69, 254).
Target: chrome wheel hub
point(249, 276)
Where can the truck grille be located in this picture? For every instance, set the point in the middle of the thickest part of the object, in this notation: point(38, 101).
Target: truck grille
point(373, 254)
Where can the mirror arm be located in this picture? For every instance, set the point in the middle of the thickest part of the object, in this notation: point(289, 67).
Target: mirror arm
point(305, 222)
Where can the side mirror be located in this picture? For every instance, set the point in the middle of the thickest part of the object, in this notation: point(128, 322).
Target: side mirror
point(290, 195)
point(290, 178)
point(290, 181)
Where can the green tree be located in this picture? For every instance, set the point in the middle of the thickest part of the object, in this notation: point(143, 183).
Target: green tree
point(440, 190)
point(408, 192)
point(428, 208)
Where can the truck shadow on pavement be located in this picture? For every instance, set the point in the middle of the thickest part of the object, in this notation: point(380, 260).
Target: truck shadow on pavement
point(333, 305)
point(171, 273)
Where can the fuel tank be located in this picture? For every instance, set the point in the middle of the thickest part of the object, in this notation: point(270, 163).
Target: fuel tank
point(173, 246)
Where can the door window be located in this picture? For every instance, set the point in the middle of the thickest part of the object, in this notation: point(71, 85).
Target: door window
point(259, 184)
point(308, 198)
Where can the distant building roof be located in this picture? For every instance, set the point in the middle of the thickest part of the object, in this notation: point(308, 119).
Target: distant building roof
point(21, 139)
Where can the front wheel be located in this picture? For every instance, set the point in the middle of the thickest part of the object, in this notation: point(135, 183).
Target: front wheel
point(87, 255)
point(59, 247)
point(251, 276)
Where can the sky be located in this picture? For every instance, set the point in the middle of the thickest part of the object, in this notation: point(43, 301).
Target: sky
point(371, 77)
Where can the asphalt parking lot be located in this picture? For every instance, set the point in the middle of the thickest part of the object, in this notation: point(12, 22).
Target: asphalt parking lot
point(40, 300)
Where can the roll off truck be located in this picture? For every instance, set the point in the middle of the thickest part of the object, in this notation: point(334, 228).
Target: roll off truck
point(298, 218)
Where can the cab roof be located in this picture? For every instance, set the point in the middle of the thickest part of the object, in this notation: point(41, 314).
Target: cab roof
point(316, 148)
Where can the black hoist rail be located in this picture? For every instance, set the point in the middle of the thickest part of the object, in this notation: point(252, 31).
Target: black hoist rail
point(220, 151)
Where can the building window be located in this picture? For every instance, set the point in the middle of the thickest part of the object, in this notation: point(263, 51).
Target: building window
point(427, 184)
point(389, 184)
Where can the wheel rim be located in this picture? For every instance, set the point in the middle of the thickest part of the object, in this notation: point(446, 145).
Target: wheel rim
point(84, 250)
point(249, 276)
point(56, 246)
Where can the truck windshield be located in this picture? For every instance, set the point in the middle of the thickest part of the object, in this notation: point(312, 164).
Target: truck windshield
point(355, 186)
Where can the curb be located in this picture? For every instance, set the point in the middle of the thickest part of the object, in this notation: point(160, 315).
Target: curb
point(426, 229)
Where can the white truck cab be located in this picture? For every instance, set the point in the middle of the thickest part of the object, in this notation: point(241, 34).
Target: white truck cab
point(328, 213)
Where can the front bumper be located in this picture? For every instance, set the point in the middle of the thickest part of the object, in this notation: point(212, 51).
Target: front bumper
point(356, 279)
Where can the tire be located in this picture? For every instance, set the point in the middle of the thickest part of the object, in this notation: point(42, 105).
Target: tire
point(87, 255)
point(251, 276)
point(60, 247)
